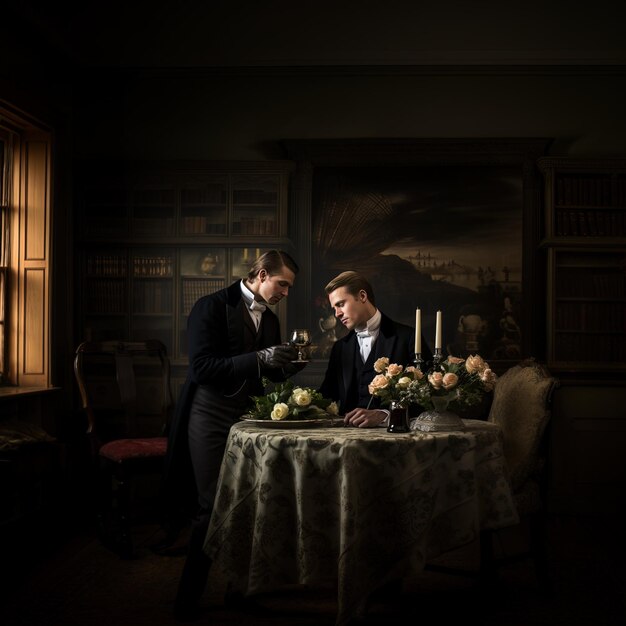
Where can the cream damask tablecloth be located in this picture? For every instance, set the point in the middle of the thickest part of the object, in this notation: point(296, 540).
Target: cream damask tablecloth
point(353, 506)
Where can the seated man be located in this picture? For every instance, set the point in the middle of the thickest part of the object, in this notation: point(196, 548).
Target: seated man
point(372, 335)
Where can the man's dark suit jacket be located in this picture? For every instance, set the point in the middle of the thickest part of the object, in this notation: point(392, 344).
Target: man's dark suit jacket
point(220, 362)
point(396, 341)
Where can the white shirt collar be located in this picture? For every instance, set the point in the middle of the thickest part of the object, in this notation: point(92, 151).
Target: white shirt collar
point(372, 327)
point(248, 296)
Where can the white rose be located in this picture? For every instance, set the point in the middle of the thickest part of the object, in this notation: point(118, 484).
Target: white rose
point(301, 397)
point(333, 408)
point(381, 364)
point(404, 382)
point(280, 412)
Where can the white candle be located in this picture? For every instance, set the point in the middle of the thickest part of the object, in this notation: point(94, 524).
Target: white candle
point(418, 331)
point(438, 332)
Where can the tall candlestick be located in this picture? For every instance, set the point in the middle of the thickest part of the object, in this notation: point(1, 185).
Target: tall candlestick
point(418, 331)
point(438, 332)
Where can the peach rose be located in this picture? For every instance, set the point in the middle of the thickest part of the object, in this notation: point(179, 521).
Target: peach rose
point(475, 364)
point(378, 384)
point(436, 379)
point(381, 364)
point(394, 369)
point(455, 360)
point(413, 371)
point(489, 379)
point(449, 380)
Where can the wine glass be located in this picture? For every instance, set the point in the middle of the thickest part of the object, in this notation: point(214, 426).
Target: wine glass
point(300, 337)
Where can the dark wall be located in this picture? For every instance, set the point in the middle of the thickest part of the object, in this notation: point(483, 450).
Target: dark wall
point(237, 114)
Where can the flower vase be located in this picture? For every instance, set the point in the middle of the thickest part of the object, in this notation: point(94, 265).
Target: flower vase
point(398, 419)
point(439, 418)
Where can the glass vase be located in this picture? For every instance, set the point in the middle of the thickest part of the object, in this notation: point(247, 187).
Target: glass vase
point(438, 418)
point(398, 419)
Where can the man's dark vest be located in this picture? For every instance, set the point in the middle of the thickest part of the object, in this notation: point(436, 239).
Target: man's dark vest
point(358, 394)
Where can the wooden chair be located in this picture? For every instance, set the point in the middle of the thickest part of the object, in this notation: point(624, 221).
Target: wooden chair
point(125, 392)
point(522, 408)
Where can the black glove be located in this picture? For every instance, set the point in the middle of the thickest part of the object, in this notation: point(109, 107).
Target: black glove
point(276, 356)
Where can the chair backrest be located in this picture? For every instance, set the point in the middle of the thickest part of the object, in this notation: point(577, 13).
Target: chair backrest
point(124, 388)
point(521, 407)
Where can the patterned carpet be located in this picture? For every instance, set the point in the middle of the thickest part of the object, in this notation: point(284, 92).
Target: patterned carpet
point(80, 583)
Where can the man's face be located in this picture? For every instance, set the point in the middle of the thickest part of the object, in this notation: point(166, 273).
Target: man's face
point(273, 288)
point(352, 311)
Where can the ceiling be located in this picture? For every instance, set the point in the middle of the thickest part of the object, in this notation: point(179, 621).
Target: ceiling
point(277, 33)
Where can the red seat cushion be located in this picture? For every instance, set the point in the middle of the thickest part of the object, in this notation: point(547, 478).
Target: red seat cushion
point(124, 449)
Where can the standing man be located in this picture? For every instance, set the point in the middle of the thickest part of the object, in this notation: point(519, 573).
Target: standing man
point(372, 335)
point(234, 340)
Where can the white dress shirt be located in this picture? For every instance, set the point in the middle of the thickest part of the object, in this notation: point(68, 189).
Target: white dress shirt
point(254, 307)
point(368, 334)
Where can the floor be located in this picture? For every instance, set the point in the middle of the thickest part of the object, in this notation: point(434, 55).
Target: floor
point(74, 581)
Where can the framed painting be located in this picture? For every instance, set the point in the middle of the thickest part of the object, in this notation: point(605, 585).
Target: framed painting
point(443, 226)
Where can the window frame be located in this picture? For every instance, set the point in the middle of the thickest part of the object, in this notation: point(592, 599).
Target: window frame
point(26, 272)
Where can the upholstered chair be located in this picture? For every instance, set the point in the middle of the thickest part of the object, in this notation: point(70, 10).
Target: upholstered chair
point(522, 408)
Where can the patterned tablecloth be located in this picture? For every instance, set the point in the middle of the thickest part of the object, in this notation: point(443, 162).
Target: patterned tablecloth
point(353, 506)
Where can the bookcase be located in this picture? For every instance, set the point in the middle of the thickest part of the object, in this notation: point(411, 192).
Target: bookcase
point(585, 239)
point(152, 238)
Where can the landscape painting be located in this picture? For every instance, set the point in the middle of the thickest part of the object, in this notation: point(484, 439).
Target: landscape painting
point(443, 238)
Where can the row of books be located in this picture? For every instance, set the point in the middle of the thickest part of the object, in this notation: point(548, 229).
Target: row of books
point(591, 316)
point(578, 191)
point(105, 297)
point(592, 223)
point(194, 289)
point(254, 196)
point(106, 265)
point(206, 195)
point(153, 266)
point(153, 226)
point(574, 282)
point(201, 225)
point(154, 196)
point(254, 226)
point(152, 297)
point(584, 348)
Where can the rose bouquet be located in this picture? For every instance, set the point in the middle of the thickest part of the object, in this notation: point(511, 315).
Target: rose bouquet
point(392, 382)
point(461, 382)
point(286, 402)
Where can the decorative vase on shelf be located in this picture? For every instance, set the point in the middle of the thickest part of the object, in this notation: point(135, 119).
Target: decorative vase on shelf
point(398, 418)
point(438, 418)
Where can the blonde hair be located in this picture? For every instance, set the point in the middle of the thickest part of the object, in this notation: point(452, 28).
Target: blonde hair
point(354, 283)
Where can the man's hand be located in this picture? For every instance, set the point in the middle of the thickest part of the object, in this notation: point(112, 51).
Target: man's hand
point(364, 418)
point(276, 356)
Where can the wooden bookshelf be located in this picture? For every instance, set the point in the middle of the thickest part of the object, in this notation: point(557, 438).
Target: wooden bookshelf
point(154, 238)
point(585, 227)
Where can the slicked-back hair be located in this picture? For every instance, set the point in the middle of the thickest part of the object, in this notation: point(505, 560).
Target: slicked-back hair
point(272, 262)
point(354, 283)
